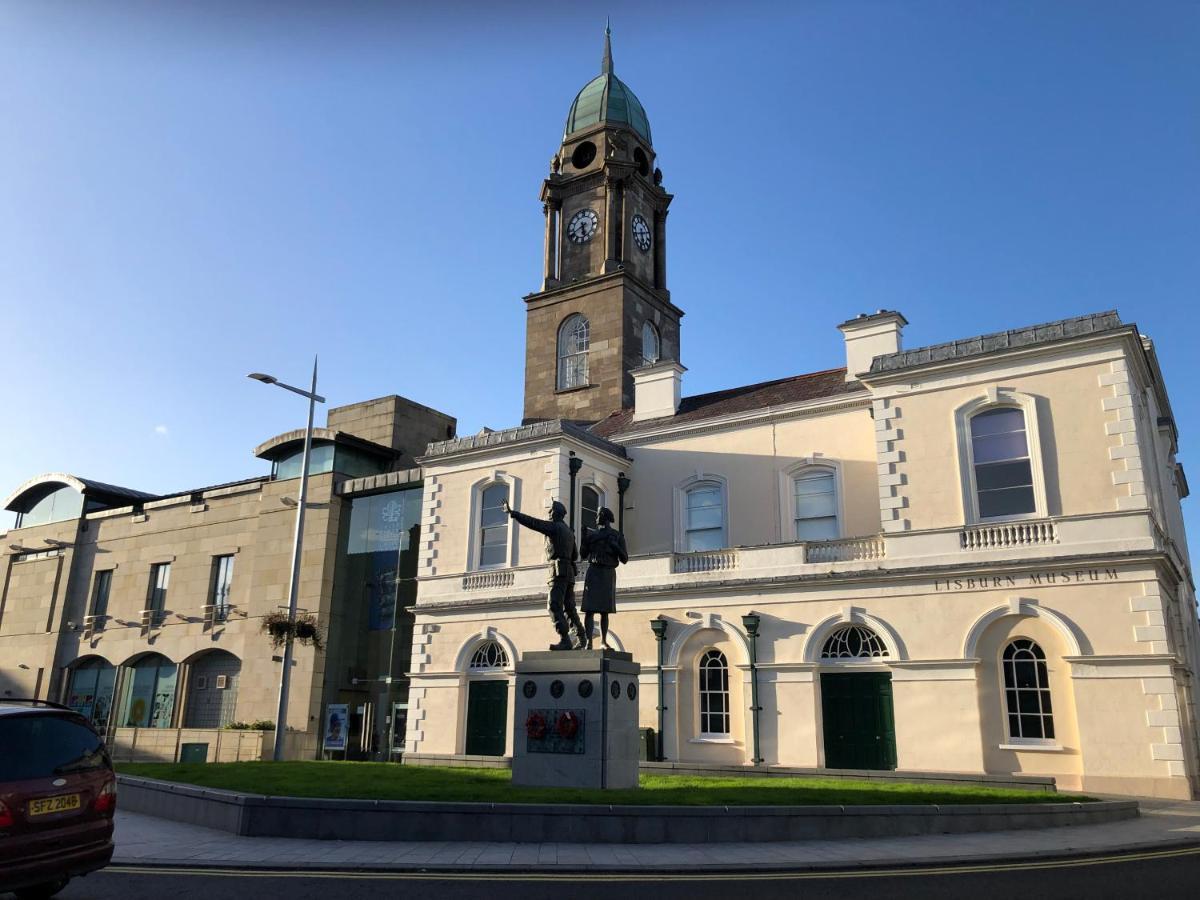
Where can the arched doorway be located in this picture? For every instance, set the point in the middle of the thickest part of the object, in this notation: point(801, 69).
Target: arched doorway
point(148, 698)
point(487, 700)
point(90, 690)
point(857, 714)
point(212, 689)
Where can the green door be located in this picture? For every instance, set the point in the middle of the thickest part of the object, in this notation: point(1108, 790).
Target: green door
point(487, 717)
point(860, 730)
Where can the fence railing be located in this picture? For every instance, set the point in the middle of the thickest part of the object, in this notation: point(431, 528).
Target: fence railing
point(1009, 534)
point(844, 549)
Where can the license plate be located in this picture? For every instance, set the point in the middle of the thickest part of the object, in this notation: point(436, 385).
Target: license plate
point(61, 803)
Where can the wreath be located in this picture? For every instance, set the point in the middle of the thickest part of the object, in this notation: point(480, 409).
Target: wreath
point(535, 726)
point(568, 725)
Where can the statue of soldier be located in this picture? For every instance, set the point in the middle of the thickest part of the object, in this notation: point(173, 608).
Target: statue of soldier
point(562, 556)
point(604, 549)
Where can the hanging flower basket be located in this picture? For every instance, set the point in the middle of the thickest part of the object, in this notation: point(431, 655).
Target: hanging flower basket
point(304, 630)
point(307, 631)
point(278, 626)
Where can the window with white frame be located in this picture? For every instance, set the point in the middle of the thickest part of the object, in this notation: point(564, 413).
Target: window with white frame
point(704, 517)
point(573, 343)
point(815, 504)
point(651, 344)
point(714, 694)
point(853, 642)
point(1000, 463)
point(1027, 692)
point(488, 655)
point(589, 504)
point(493, 526)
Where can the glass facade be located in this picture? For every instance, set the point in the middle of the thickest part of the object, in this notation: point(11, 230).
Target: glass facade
point(91, 691)
point(57, 506)
point(327, 457)
point(148, 699)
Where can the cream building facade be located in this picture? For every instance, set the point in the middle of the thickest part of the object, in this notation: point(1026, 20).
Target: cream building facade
point(965, 557)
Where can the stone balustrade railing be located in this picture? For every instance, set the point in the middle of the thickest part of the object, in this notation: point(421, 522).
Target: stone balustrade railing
point(704, 561)
point(1009, 534)
point(485, 580)
point(844, 550)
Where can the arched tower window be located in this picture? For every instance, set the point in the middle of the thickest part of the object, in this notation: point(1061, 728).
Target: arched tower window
point(714, 694)
point(1001, 464)
point(651, 344)
point(573, 343)
point(1027, 692)
point(853, 642)
point(488, 655)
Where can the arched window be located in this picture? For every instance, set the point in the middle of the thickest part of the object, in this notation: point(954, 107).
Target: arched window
point(714, 694)
point(815, 504)
point(488, 655)
point(651, 344)
point(1000, 463)
point(91, 690)
point(573, 343)
point(853, 642)
point(704, 517)
point(149, 695)
point(1027, 691)
point(589, 502)
point(493, 527)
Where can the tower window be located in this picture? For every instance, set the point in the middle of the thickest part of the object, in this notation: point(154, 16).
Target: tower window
point(643, 164)
point(573, 342)
point(583, 155)
point(651, 344)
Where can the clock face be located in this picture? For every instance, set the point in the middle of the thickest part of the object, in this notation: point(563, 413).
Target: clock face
point(583, 225)
point(641, 233)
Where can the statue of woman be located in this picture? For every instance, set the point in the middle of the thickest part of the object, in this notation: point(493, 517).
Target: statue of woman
point(604, 549)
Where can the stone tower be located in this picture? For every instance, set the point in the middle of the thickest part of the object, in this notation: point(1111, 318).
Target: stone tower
point(604, 308)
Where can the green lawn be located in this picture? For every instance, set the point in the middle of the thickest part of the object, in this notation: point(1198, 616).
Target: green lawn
point(383, 781)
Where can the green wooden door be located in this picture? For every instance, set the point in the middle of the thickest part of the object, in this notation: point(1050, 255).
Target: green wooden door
point(487, 717)
point(860, 728)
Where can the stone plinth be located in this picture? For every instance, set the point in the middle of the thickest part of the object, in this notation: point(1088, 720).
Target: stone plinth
point(576, 719)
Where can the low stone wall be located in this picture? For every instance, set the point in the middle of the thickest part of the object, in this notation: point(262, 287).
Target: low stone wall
point(157, 745)
point(366, 820)
point(1043, 783)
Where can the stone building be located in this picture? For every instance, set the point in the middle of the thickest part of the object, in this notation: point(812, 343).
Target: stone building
point(144, 611)
point(964, 557)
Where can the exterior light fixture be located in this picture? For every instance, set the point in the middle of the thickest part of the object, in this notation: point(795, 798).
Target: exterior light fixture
point(751, 621)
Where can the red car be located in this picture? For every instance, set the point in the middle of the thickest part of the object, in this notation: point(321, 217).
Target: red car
point(57, 798)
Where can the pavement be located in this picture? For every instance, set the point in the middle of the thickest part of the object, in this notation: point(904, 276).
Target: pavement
point(148, 841)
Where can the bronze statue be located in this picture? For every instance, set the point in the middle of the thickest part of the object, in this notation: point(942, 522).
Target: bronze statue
point(604, 548)
point(562, 555)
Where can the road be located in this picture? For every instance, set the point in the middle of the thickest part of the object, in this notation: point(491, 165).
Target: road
point(1158, 874)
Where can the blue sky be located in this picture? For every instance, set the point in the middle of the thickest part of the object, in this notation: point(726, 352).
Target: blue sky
point(193, 191)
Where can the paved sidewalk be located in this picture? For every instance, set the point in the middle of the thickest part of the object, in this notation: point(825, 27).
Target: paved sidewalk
point(146, 840)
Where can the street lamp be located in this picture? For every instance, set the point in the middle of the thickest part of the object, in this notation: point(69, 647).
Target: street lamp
point(750, 621)
point(285, 679)
point(659, 627)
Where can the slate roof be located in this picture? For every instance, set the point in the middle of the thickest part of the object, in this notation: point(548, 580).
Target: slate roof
point(997, 341)
point(549, 428)
point(781, 392)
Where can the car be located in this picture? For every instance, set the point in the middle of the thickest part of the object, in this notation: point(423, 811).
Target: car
point(58, 794)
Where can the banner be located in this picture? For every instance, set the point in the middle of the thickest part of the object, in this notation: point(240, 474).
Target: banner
point(337, 722)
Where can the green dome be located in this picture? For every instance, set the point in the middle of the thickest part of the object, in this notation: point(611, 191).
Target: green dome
point(606, 98)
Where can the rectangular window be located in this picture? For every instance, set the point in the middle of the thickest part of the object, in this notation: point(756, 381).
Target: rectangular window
point(816, 507)
point(100, 591)
point(493, 527)
point(156, 601)
point(705, 519)
point(1003, 473)
point(222, 582)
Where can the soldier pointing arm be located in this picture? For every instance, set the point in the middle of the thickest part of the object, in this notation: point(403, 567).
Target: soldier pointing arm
point(561, 557)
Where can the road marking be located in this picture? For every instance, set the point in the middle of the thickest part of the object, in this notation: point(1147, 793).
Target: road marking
point(658, 876)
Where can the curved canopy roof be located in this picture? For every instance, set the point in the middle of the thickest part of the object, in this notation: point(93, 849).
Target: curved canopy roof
point(283, 444)
point(606, 98)
point(28, 494)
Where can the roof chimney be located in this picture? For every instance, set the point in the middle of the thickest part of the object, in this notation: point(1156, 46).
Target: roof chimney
point(657, 390)
point(868, 336)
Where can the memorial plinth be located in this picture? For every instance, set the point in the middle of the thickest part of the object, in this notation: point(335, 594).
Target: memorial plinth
point(576, 719)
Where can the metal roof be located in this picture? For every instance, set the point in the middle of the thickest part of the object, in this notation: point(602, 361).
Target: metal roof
point(606, 98)
point(33, 490)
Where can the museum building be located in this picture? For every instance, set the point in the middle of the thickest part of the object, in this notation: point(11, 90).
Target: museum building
point(965, 557)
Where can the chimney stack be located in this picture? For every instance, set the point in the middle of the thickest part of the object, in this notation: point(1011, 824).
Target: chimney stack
point(868, 336)
point(657, 390)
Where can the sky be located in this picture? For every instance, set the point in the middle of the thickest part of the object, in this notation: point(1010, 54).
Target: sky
point(193, 191)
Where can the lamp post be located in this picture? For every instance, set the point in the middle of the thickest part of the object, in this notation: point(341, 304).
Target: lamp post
point(750, 622)
point(623, 484)
point(285, 679)
point(659, 627)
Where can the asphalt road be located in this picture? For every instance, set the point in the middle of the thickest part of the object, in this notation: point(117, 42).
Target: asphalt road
point(1157, 874)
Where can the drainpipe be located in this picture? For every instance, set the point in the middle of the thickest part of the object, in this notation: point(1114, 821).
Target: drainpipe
point(659, 627)
point(750, 621)
point(574, 464)
point(622, 486)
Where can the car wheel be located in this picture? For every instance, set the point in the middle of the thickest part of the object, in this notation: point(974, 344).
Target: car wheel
point(45, 889)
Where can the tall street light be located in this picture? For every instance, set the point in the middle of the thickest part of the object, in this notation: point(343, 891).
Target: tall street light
point(285, 679)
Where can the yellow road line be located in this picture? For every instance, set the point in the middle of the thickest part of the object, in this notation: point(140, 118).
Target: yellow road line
point(651, 875)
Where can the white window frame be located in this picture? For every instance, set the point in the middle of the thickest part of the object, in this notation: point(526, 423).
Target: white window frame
point(560, 356)
point(1011, 741)
point(716, 736)
point(700, 480)
point(646, 361)
point(787, 494)
point(474, 540)
point(999, 398)
point(595, 486)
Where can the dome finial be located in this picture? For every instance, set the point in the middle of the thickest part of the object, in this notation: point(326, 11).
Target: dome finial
point(606, 65)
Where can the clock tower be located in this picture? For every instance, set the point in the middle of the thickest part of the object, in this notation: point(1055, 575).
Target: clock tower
point(604, 308)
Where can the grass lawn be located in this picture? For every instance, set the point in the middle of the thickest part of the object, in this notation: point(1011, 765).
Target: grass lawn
point(387, 781)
